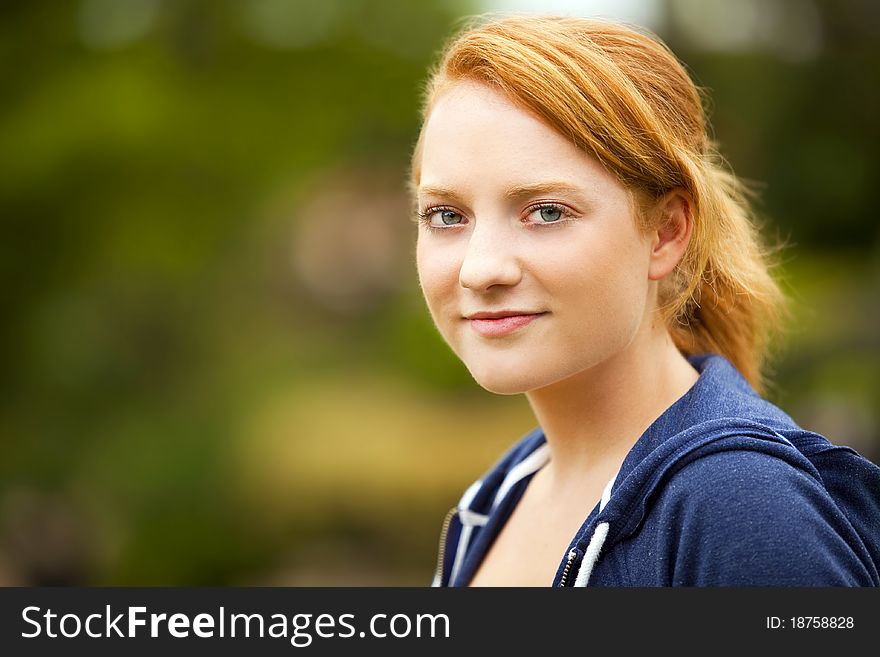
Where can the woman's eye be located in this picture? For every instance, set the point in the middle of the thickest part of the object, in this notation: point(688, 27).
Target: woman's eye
point(547, 214)
point(449, 218)
point(441, 217)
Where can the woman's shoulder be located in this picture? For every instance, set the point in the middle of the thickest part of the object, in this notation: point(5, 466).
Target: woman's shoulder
point(743, 479)
point(743, 516)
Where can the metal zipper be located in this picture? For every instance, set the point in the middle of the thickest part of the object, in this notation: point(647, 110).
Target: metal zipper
point(441, 550)
point(572, 555)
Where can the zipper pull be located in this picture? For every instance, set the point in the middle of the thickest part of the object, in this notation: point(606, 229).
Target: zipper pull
point(573, 554)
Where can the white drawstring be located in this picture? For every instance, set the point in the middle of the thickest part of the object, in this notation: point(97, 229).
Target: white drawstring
point(471, 519)
point(597, 540)
point(592, 554)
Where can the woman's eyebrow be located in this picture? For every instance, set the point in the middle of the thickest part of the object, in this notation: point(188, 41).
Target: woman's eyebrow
point(549, 187)
point(515, 192)
point(430, 190)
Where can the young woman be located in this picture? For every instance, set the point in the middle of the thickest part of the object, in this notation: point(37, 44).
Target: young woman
point(580, 242)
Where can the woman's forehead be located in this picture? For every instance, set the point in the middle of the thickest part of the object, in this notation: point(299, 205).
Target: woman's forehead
point(474, 135)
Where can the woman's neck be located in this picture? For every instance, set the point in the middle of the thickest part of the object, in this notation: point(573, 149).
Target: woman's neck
point(592, 419)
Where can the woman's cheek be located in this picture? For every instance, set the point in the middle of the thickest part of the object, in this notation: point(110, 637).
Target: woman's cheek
point(600, 292)
point(438, 275)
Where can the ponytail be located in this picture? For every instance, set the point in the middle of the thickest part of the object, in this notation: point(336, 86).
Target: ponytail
point(727, 301)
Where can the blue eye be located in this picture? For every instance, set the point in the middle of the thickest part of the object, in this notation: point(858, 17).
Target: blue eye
point(441, 217)
point(550, 213)
point(449, 218)
point(547, 214)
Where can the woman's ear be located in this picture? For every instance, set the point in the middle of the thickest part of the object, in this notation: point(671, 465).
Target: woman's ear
point(673, 232)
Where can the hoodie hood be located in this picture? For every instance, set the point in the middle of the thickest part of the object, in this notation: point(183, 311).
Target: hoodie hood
point(719, 414)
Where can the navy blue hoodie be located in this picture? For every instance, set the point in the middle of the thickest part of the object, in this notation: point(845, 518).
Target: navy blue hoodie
point(723, 489)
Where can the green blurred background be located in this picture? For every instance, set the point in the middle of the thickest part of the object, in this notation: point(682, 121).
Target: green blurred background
point(217, 368)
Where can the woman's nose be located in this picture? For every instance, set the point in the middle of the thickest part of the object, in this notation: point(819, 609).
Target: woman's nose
point(490, 259)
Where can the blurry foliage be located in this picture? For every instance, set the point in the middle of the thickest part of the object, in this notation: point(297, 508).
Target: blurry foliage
point(797, 111)
point(217, 368)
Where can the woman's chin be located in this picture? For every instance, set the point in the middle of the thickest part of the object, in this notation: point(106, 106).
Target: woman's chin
point(505, 383)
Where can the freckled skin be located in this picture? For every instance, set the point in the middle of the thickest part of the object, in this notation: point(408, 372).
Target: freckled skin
point(588, 271)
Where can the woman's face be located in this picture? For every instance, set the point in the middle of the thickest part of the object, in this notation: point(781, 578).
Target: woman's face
point(528, 252)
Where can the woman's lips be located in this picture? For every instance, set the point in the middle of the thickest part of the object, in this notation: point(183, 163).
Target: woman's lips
point(495, 327)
